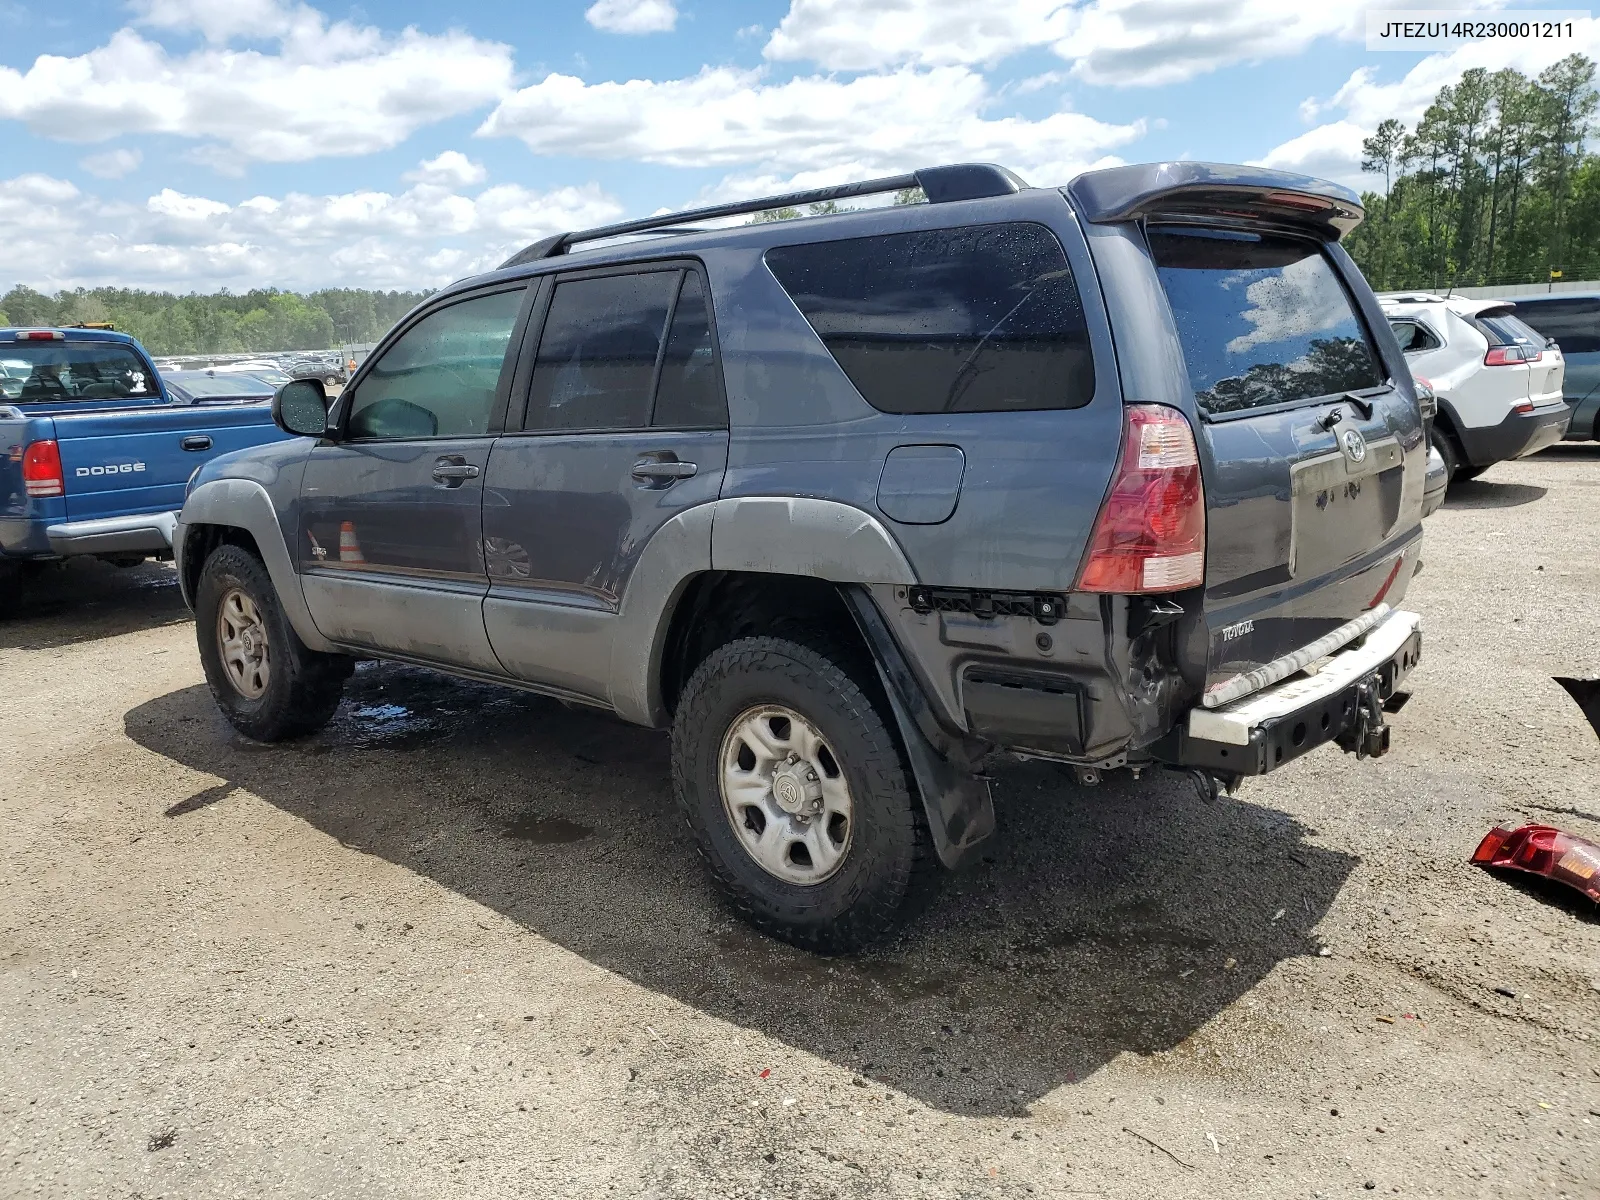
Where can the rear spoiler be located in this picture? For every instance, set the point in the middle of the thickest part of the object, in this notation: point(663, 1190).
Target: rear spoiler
point(1214, 189)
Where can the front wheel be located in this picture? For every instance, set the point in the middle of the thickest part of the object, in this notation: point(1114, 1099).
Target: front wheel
point(265, 680)
point(794, 787)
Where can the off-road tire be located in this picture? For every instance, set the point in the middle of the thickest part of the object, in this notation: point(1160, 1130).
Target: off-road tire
point(303, 687)
point(890, 854)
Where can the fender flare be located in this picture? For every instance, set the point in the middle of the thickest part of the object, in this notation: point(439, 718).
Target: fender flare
point(244, 504)
point(798, 535)
point(764, 535)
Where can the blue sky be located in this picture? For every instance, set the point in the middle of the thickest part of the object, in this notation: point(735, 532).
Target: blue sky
point(192, 144)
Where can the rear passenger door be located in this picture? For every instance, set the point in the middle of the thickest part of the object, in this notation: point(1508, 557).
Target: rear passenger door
point(391, 512)
point(625, 426)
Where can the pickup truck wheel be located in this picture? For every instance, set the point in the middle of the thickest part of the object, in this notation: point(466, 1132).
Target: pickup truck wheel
point(795, 790)
point(268, 684)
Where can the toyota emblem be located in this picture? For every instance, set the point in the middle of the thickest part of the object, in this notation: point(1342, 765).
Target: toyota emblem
point(1355, 446)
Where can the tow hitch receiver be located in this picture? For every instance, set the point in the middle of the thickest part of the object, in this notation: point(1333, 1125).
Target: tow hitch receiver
point(1368, 734)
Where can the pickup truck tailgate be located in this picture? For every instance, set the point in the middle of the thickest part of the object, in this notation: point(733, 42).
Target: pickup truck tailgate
point(139, 460)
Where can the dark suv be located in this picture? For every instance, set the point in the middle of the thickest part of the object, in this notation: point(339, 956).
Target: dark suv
point(1126, 474)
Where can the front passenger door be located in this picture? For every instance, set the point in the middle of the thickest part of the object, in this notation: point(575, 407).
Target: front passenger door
point(391, 513)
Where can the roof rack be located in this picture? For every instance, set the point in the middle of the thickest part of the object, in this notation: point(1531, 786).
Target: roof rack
point(941, 185)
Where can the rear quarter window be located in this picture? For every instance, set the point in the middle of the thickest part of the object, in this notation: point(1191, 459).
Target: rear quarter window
point(1263, 319)
point(982, 318)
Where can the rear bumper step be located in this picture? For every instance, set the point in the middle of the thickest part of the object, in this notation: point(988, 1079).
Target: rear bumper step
point(1341, 702)
point(146, 532)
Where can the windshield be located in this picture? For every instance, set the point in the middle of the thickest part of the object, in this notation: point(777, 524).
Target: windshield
point(46, 372)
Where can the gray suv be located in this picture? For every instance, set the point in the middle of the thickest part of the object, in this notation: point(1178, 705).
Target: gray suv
point(1125, 475)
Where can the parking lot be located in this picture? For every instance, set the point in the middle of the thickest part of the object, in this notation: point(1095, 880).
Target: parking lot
point(458, 944)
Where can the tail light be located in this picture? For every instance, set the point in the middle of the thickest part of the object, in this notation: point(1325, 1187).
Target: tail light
point(1511, 356)
point(41, 469)
point(1151, 532)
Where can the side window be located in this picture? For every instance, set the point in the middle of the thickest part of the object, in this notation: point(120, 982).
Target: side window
point(984, 318)
point(598, 351)
point(439, 378)
point(1414, 337)
point(689, 395)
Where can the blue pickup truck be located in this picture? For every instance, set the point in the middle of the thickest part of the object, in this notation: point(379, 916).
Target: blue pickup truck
point(95, 452)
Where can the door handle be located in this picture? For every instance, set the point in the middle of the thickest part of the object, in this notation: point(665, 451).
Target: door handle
point(198, 441)
point(449, 472)
point(663, 472)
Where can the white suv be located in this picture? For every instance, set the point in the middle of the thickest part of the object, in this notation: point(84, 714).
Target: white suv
point(1498, 381)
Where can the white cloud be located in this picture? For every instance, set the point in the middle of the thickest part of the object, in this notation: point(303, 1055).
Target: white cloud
point(450, 169)
point(220, 20)
point(1118, 42)
point(1328, 152)
point(1333, 150)
point(113, 164)
point(1137, 42)
point(425, 236)
point(860, 35)
point(632, 16)
point(876, 124)
point(328, 90)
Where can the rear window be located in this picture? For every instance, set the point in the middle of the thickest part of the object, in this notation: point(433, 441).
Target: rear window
point(1575, 324)
point(1506, 330)
point(1263, 319)
point(42, 372)
point(982, 318)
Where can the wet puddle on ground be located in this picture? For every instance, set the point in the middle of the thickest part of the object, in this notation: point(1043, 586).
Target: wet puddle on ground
point(545, 831)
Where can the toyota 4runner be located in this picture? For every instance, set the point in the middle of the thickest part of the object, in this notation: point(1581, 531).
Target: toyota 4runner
point(1126, 474)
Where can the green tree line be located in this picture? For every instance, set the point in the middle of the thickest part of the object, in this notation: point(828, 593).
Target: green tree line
point(255, 321)
point(1493, 186)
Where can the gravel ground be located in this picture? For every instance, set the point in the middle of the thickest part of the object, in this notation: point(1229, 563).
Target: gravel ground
point(458, 945)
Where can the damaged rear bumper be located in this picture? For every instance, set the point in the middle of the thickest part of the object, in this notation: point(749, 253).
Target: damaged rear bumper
point(1342, 701)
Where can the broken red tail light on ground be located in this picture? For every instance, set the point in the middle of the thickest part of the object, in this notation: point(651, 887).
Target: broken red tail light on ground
point(1544, 850)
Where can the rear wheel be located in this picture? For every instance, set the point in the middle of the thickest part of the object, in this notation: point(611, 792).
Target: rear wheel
point(265, 680)
point(1446, 446)
point(795, 789)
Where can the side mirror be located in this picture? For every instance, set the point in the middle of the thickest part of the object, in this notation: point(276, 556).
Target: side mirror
point(301, 407)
